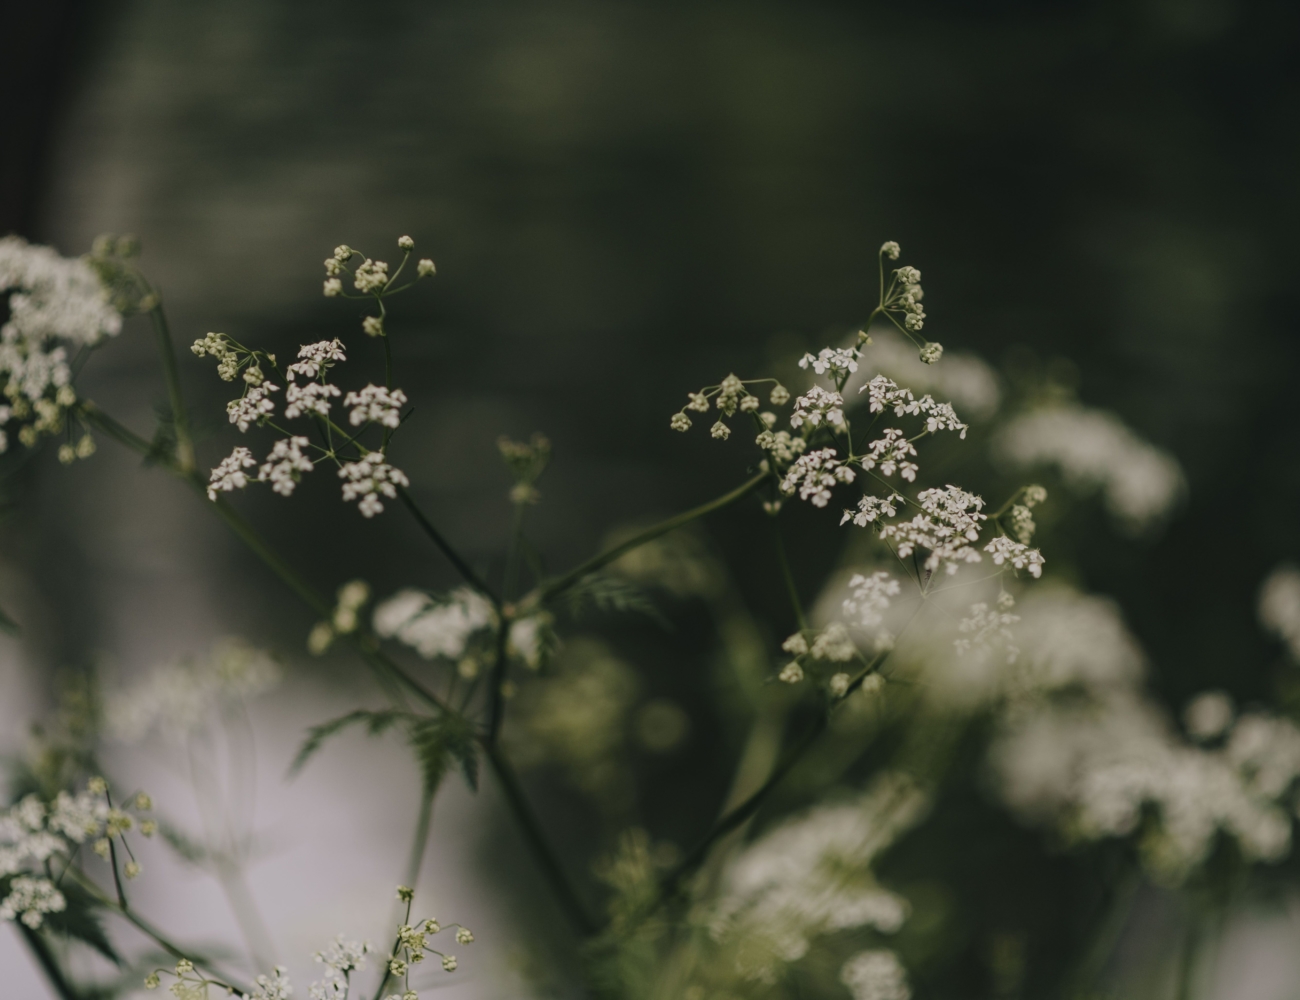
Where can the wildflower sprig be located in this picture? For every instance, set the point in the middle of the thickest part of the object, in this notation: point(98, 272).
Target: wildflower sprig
point(34, 834)
point(411, 945)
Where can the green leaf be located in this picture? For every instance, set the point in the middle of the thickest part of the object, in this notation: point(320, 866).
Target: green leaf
point(376, 723)
point(439, 743)
point(611, 594)
point(80, 921)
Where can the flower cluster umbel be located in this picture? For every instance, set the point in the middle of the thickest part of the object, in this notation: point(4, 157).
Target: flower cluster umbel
point(33, 833)
point(820, 451)
point(308, 394)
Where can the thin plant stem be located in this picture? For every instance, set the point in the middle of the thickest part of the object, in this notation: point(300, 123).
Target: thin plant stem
point(166, 351)
point(1188, 954)
point(462, 567)
point(422, 823)
point(541, 849)
point(563, 583)
point(797, 606)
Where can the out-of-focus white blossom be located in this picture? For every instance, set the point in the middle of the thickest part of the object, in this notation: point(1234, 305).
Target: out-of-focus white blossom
point(340, 959)
point(869, 598)
point(811, 875)
point(1093, 449)
point(433, 627)
point(1208, 715)
point(965, 379)
point(1279, 607)
point(30, 899)
point(876, 975)
point(276, 986)
point(179, 699)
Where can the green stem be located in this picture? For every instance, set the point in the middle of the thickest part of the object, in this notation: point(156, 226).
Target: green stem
point(422, 823)
point(184, 443)
point(541, 850)
point(49, 964)
point(462, 567)
point(788, 577)
point(1188, 955)
point(563, 583)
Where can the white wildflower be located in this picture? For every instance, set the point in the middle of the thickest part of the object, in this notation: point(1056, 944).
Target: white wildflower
point(834, 644)
point(839, 361)
point(872, 509)
point(1279, 607)
point(405, 243)
point(876, 975)
point(377, 404)
point(890, 453)
point(890, 249)
point(795, 644)
point(1208, 715)
point(30, 899)
point(811, 875)
point(311, 397)
point(781, 445)
point(425, 267)
point(680, 422)
point(434, 628)
point(370, 276)
point(332, 287)
point(965, 379)
point(780, 395)
point(791, 673)
point(869, 598)
point(50, 297)
point(951, 520)
point(818, 407)
point(839, 685)
point(179, 699)
point(340, 959)
point(814, 475)
point(988, 630)
point(366, 479)
point(1093, 449)
point(254, 405)
point(931, 352)
point(285, 464)
point(273, 987)
point(317, 357)
point(230, 475)
point(720, 431)
point(1018, 554)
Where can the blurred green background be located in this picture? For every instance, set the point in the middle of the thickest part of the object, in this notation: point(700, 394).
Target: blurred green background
point(628, 200)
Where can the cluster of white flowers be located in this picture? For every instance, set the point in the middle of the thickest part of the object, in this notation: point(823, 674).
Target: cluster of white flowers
point(890, 453)
point(781, 446)
point(876, 975)
point(432, 627)
point(366, 479)
point(31, 832)
point(316, 359)
point(884, 393)
point(811, 875)
point(254, 406)
point(312, 397)
point(229, 475)
point(815, 474)
point(989, 629)
point(1093, 449)
point(964, 378)
point(178, 699)
point(51, 298)
point(340, 960)
point(871, 509)
point(840, 362)
point(375, 404)
point(1082, 749)
point(1019, 555)
point(818, 407)
point(730, 395)
point(370, 276)
point(1279, 607)
point(276, 986)
point(869, 598)
point(285, 465)
point(950, 521)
